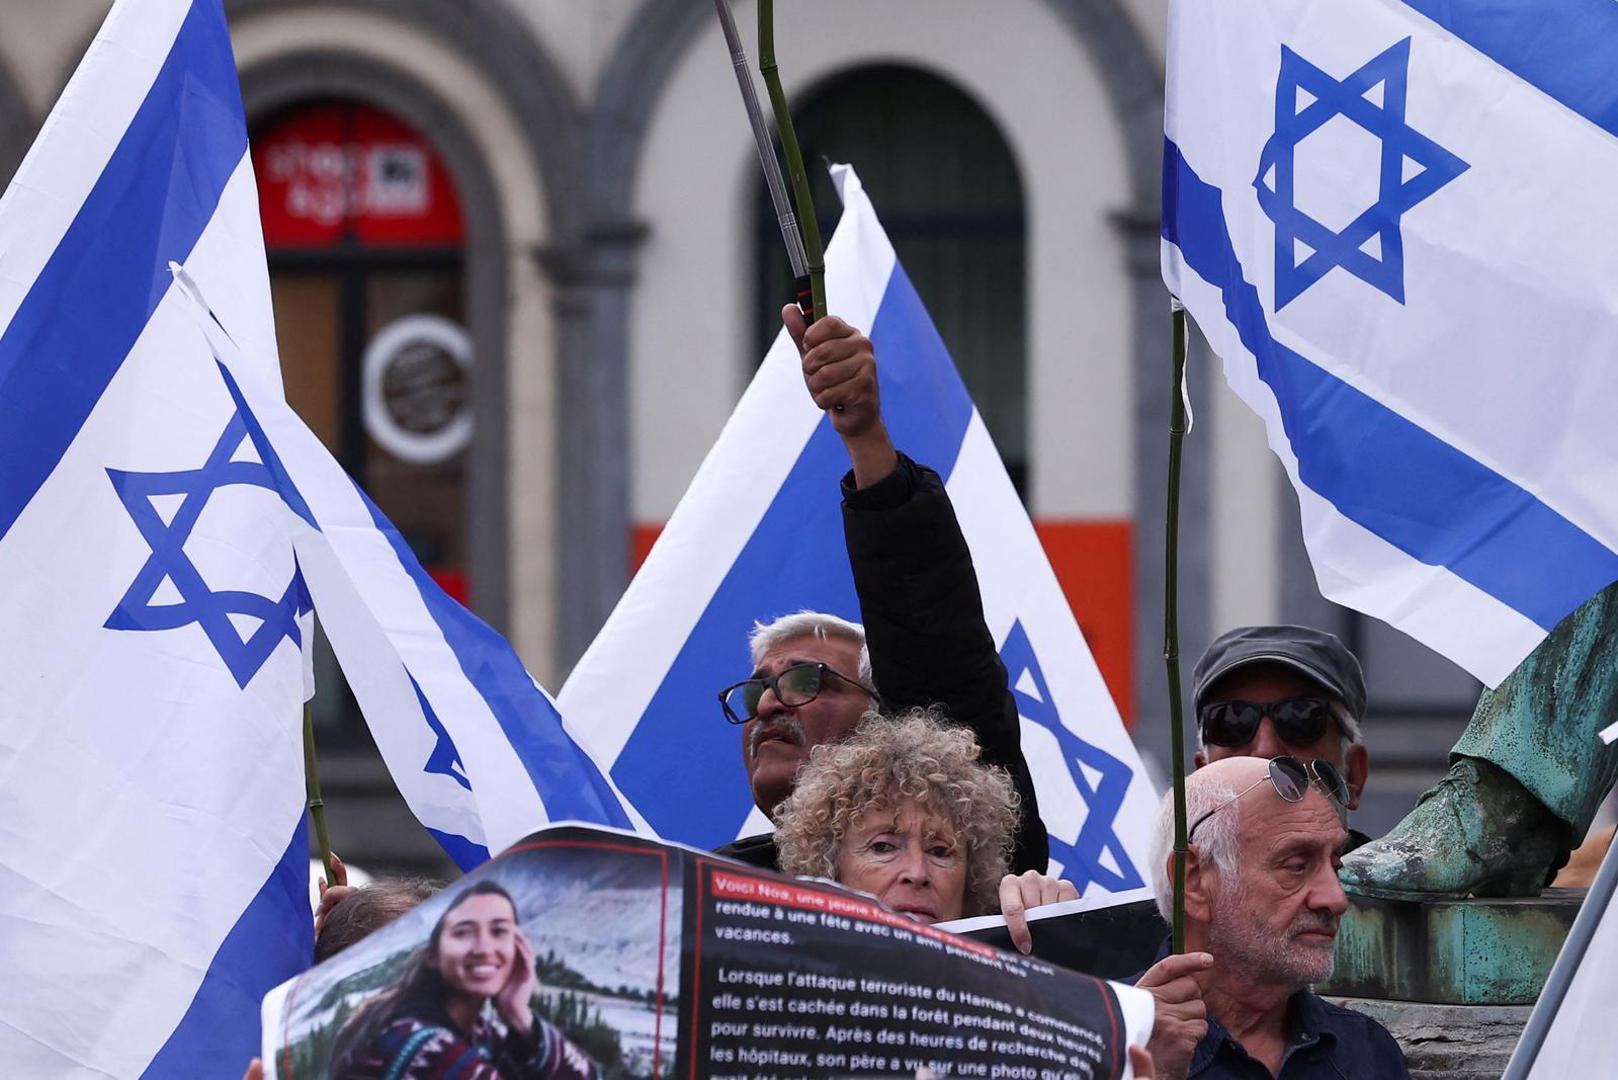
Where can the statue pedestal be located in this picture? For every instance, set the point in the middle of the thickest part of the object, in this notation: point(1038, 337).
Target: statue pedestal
point(1453, 980)
point(1448, 1042)
point(1451, 952)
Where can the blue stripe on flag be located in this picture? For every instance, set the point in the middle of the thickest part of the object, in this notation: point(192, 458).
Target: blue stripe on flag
point(670, 768)
point(88, 305)
point(1377, 468)
point(1569, 49)
point(463, 852)
point(566, 778)
point(271, 942)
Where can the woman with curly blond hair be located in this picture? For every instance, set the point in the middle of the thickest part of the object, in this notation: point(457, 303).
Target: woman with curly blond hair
point(904, 810)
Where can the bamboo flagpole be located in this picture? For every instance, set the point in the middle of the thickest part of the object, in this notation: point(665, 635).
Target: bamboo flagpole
point(311, 781)
point(813, 255)
point(1179, 425)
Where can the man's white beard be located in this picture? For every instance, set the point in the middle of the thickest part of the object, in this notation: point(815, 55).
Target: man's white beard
point(1241, 942)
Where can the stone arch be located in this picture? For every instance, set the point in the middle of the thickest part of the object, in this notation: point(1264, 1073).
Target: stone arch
point(293, 78)
point(628, 89)
point(562, 594)
point(513, 61)
point(658, 35)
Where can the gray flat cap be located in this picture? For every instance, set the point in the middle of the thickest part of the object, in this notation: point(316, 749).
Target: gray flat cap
point(1314, 653)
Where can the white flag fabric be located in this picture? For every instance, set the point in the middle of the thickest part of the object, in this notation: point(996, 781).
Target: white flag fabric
point(474, 744)
point(759, 534)
point(153, 868)
point(1579, 1033)
point(1390, 219)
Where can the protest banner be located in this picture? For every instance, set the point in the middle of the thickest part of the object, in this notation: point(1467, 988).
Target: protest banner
point(623, 957)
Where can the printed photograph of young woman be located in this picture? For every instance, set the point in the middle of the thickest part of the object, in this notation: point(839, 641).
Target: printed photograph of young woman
point(438, 1020)
point(558, 960)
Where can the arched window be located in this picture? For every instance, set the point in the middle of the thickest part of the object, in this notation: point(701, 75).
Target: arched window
point(364, 233)
point(947, 190)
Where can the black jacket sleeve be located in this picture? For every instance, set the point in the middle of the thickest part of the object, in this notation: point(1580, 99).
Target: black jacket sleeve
point(924, 625)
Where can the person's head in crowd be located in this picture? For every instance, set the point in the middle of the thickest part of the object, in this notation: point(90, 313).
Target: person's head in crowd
point(1261, 888)
point(1269, 691)
point(811, 684)
point(368, 909)
point(904, 810)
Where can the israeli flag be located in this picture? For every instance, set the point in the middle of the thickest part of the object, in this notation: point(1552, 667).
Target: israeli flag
point(1392, 221)
point(153, 869)
point(474, 744)
point(760, 534)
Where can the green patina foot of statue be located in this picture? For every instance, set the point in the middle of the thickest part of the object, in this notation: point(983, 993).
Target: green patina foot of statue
point(1477, 833)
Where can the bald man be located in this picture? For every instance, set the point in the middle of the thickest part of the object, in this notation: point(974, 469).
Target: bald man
point(1262, 897)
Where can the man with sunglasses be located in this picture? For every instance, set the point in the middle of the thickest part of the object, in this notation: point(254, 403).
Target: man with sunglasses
point(924, 640)
point(1263, 900)
point(1267, 691)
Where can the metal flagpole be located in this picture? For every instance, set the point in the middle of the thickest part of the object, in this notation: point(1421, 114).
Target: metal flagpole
point(1179, 425)
point(784, 216)
point(1596, 903)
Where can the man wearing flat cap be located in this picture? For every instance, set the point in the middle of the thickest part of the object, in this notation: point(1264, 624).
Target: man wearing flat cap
point(1268, 691)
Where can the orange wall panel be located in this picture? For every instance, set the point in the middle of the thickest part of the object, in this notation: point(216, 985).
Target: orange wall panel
point(1095, 564)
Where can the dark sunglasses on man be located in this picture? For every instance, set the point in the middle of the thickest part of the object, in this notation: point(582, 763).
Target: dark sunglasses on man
point(1291, 779)
point(1300, 721)
point(797, 685)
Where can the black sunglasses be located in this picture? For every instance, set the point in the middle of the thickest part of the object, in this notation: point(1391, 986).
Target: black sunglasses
point(1298, 721)
point(1291, 779)
point(797, 685)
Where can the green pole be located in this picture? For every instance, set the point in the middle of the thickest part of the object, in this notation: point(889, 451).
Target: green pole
point(813, 255)
point(311, 781)
point(1171, 622)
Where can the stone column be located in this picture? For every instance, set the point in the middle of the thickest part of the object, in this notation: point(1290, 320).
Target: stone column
point(592, 279)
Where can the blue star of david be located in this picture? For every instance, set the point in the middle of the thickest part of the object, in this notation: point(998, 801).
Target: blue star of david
point(1082, 859)
point(200, 604)
point(445, 759)
point(1396, 195)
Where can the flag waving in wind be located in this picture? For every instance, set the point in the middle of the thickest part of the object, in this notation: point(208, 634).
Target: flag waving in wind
point(1390, 219)
point(474, 744)
point(759, 534)
point(153, 868)
point(166, 523)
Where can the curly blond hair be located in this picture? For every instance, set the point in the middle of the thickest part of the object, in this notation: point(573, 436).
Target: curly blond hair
point(915, 755)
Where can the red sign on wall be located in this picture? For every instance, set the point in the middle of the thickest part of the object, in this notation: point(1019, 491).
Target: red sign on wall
point(340, 171)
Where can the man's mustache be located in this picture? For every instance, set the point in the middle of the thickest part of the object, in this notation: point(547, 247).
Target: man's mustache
point(785, 726)
point(1310, 920)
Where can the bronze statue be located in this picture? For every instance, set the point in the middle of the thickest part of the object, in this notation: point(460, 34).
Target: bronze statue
point(1524, 780)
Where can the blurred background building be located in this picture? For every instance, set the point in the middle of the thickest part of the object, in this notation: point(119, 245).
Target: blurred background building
point(522, 272)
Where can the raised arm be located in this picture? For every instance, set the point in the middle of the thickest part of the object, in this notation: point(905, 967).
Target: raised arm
point(913, 572)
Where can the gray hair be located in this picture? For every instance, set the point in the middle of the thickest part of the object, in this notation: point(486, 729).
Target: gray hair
point(1216, 838)
point(1346, 723)
point(816, 624)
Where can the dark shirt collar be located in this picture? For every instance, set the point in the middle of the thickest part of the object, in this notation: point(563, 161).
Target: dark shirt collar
point(1307, 1023)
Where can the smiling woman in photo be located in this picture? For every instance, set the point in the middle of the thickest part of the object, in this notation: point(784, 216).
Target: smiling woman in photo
point(439, 1019)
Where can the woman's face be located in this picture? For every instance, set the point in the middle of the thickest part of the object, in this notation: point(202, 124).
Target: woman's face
point(909, 858)
point(478, 945)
